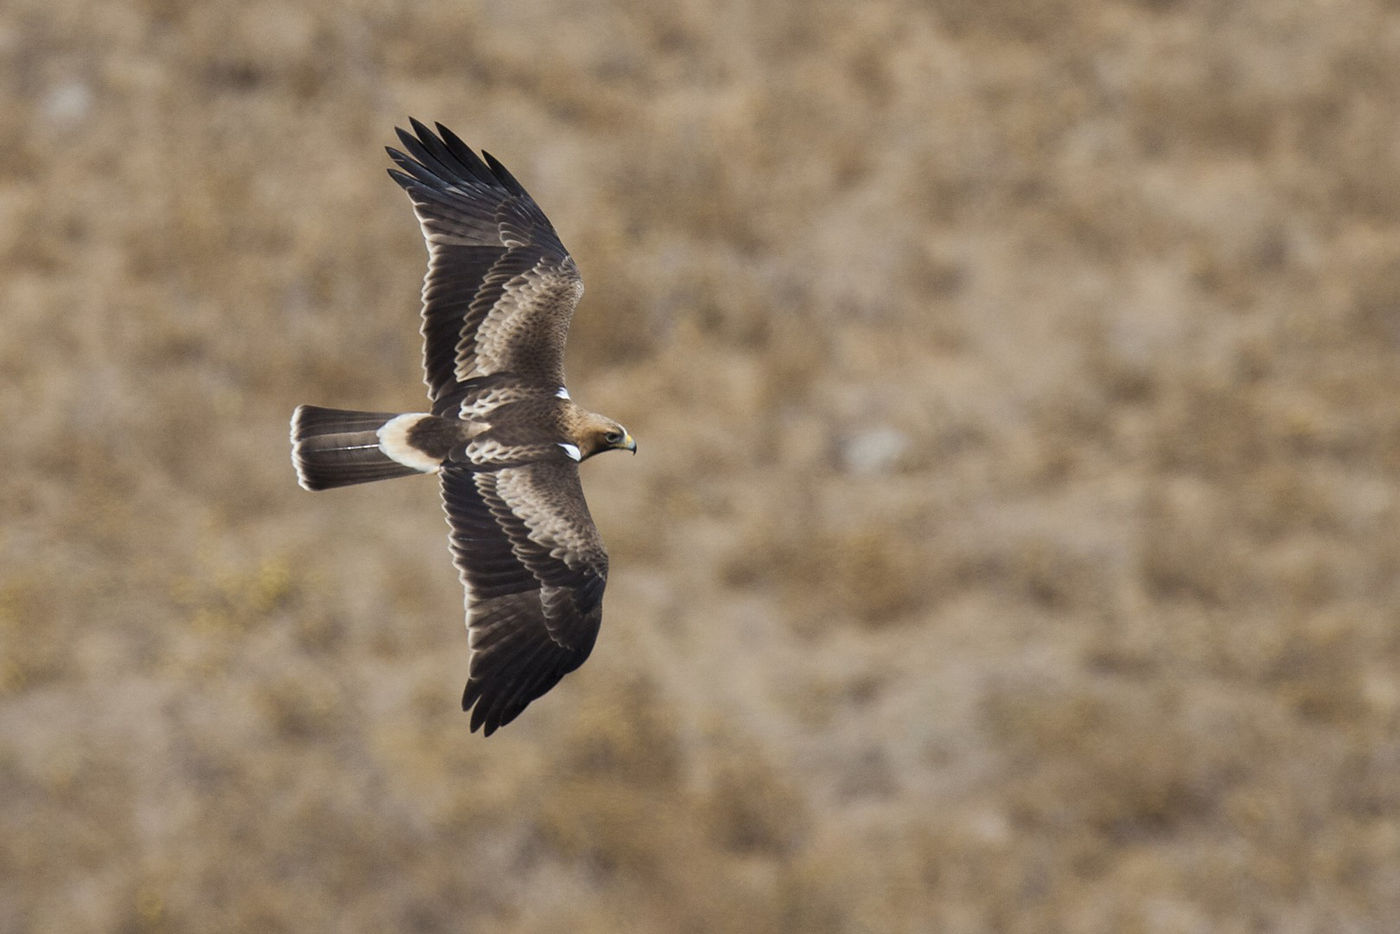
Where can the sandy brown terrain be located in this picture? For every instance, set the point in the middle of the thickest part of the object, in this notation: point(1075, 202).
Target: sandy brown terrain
point(1012, 544)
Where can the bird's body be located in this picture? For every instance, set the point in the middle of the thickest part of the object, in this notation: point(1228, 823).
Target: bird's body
point(503, 434)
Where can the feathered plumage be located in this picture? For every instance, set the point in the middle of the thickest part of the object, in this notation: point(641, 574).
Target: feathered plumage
point(503, 434)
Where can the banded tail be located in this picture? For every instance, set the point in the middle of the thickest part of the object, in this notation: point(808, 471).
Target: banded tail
point(336, 447)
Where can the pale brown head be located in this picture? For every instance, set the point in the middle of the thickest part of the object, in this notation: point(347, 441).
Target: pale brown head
point(594, 434)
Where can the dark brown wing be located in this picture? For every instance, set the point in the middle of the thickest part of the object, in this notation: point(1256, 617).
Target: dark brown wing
point(534, 569)
point(500, 288)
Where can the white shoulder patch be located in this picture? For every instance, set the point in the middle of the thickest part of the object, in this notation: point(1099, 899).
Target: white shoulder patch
point(570, 449)
point(562, 393)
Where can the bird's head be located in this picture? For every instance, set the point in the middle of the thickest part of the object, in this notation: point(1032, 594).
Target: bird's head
point(599, 433)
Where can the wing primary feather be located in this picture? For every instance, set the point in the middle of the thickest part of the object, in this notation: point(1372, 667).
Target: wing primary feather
point(420, 129)
point(417, 169)
point(478, 717)
point(504, 176)
point(516, 666)
point(452, 155)
point(529, 685)
point(404, 180)
point(471, 694)
point(407, 140)
point(420, 151)
point(435, 147)
point(440, 150)
point(463, 152)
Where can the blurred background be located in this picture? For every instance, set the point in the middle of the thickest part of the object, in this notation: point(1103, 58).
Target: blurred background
point(1012, 544)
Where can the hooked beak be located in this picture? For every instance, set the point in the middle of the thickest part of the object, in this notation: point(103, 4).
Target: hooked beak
point(627, 443)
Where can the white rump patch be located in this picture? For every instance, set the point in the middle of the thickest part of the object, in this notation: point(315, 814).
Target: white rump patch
point(393, 441)
point(562, 393)
point(570, 449)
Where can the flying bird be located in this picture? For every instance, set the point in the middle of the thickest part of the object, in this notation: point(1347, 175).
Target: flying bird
point(503, 435)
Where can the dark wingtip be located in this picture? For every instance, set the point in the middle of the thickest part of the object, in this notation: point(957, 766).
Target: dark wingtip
point(453, 141)
point(406, 138)
point(442, 159)
point(471, 699)
point(503, 174)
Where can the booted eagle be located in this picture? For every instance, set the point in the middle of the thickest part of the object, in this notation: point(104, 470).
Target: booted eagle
point(503, 435)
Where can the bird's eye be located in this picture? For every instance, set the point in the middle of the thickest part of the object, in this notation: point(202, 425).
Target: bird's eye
point(613, 437)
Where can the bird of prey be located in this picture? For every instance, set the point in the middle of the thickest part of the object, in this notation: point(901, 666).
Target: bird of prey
point(503, 435)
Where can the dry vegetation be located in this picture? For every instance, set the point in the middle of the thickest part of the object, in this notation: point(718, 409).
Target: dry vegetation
point(1013, 543)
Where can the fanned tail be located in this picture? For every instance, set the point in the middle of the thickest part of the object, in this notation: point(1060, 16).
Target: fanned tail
point(336, 447)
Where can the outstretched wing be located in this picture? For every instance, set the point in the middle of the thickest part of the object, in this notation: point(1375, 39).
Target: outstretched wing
point(500, 288)
point(534, 569)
